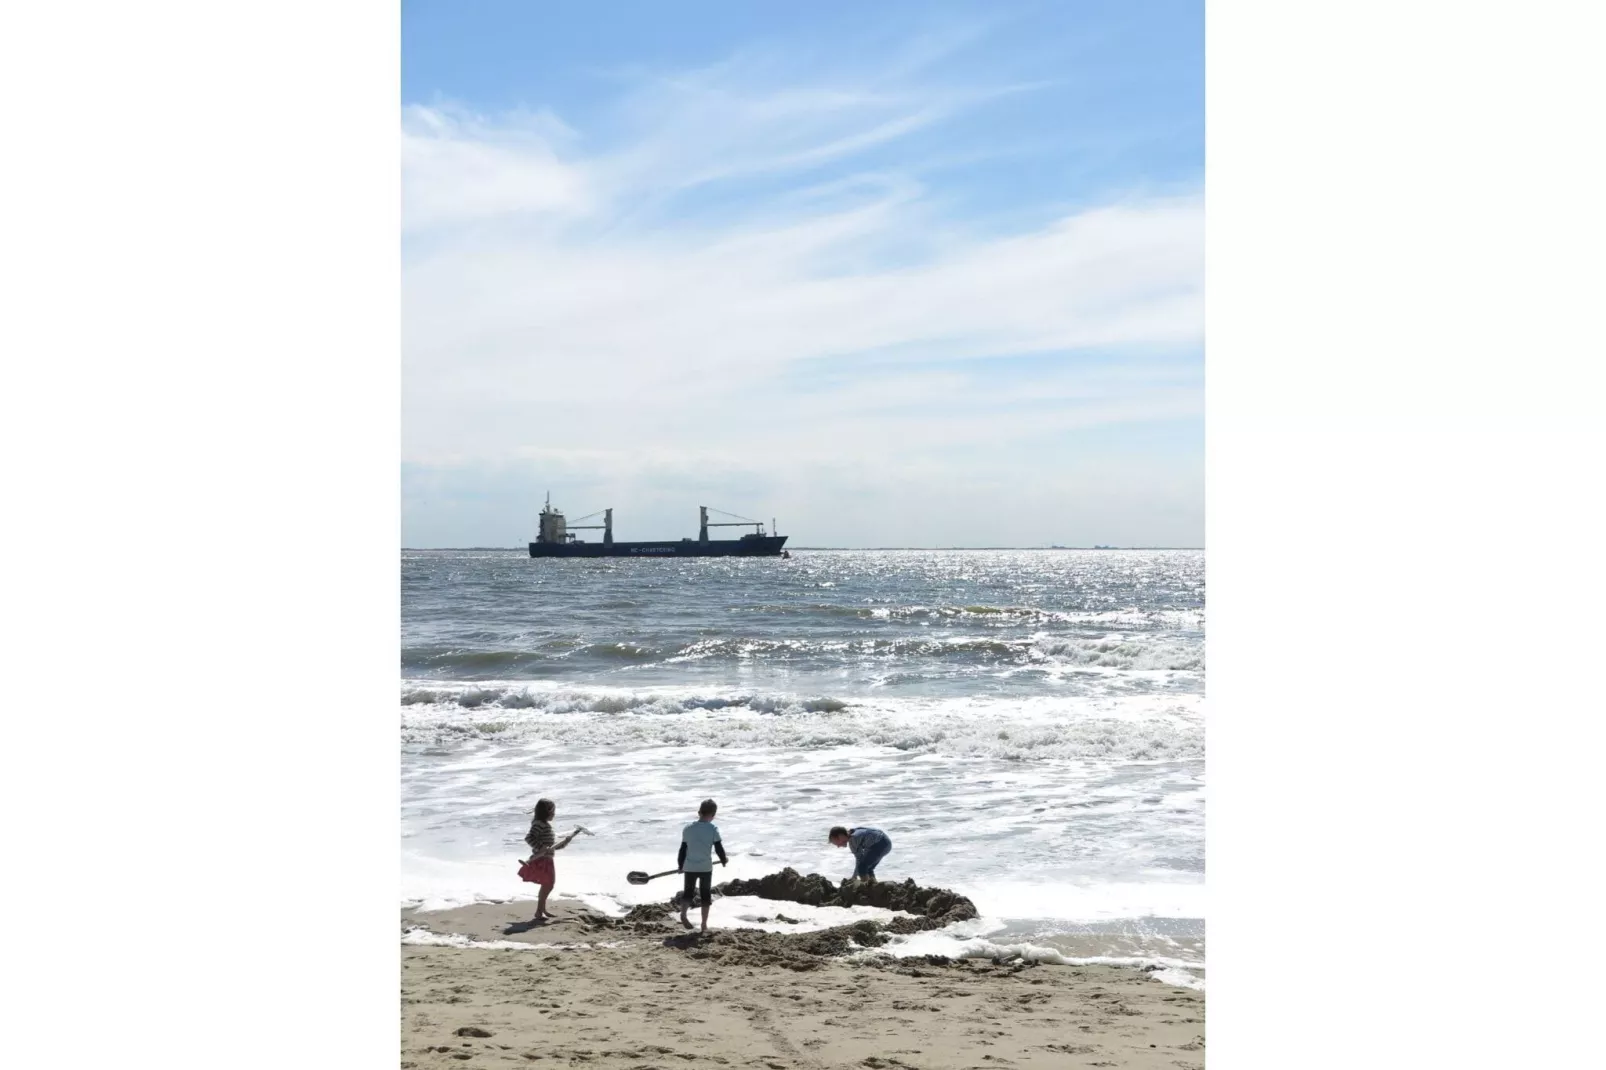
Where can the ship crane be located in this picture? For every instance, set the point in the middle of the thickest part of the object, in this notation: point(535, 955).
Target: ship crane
point(737, 521)
point(606, 527)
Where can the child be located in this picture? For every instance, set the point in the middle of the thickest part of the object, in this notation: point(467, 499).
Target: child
point(538, 868)
point(696, 863)
point(869, 845)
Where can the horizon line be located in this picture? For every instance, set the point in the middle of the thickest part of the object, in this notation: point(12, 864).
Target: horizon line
point(525, 548)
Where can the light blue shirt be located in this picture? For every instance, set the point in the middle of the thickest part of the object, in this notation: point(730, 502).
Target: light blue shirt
point(699, 838)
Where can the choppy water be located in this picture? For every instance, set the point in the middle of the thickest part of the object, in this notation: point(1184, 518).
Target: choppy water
point(1026, 725)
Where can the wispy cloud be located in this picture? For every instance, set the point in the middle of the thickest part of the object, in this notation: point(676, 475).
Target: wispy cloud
point(458, 169)
point(668, 287)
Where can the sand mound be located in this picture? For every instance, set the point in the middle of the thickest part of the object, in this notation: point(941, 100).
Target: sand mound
point(647, 918)
point(937, 907)
point(793, 951)
point(934, 907)
point(788, 885)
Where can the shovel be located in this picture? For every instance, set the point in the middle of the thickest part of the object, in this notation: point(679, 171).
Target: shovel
point(636, 876)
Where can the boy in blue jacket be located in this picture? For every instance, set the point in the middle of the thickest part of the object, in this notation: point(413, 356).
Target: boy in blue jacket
point(869, 846)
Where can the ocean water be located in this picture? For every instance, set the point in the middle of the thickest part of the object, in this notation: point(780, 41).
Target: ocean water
point(1026, 725)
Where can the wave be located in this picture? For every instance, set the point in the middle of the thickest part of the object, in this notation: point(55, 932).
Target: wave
point(1184, 620)
point(516, 696)
point(847, 649)
point(1169, 728)
point(1107, 641)
point(1040, 650)
point(1119, 652)
point(540, 655)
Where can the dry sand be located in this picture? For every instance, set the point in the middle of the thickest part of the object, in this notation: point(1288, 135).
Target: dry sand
point(641, 993)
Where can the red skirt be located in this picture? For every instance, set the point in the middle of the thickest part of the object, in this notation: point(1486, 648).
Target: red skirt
point(539, 871)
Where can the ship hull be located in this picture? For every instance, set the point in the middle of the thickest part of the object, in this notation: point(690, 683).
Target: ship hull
point(768, 546)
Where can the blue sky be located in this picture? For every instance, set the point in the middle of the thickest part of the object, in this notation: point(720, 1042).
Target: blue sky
point(898, 274)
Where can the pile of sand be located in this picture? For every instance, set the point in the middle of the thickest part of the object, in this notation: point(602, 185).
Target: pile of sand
point(933, 907)
point(936, 907)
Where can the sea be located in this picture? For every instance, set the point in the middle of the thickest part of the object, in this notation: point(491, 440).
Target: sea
point(1026, 725)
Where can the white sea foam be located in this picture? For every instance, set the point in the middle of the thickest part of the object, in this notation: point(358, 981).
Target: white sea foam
point(1179, 977)
point(750, 912)
point(595, 879)
point(425, 938)
point(598, 882)
point(951, 943)
point(1078, 902)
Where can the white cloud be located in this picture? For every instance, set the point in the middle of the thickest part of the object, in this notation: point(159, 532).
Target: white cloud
point(552, 301)
point(457, 171)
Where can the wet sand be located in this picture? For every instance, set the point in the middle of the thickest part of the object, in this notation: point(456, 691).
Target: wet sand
point(643, 994)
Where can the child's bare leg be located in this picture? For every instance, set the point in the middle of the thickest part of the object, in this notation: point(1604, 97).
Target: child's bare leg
point(540, 903)
point(706, 905)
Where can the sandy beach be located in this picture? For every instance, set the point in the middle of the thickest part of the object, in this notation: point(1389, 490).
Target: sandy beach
point(482, 986)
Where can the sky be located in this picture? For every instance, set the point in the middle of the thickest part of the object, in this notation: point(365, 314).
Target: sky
point(901, 274)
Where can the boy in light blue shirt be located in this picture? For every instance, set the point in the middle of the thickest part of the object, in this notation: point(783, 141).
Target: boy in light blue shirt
point(698, 842)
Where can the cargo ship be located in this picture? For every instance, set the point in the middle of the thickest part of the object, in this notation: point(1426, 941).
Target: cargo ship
point(555, 538)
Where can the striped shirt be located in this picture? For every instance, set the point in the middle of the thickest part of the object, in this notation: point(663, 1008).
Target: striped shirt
point(540, 838)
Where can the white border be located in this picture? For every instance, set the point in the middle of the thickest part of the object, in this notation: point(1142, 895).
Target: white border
point(201, 438)
point(199, 270)
point(1403, 346)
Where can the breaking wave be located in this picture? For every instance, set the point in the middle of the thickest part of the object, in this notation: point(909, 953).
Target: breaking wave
point(1111, 651)
point(1002, 616)
point(1170, 729)
point(515, 696)
point(1133, 652)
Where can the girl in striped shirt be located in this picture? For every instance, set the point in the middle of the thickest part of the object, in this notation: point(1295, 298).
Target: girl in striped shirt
point(538, 868)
